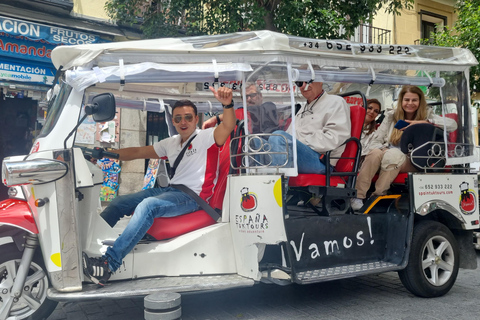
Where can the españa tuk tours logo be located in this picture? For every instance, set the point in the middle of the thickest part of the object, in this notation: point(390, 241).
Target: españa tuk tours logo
point(249, 200)
point(253, 222)
point(468, 200)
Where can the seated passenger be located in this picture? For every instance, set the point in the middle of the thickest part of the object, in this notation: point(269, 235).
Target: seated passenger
point(322, 124)
point(384, 154)
point(169, 201)
point(262, 116)
point(369, 126)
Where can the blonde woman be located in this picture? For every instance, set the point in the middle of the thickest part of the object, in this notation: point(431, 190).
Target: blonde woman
point(384, 156)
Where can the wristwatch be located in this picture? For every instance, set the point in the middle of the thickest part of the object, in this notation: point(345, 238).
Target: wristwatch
point(228, 106)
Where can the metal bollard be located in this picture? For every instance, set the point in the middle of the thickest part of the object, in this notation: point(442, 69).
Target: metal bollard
point(163, 306)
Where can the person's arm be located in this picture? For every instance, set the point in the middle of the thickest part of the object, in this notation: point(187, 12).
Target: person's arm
point(380, 136)
point(225, 96)
point(450, 124)
point(212, 122)
point(134, 153)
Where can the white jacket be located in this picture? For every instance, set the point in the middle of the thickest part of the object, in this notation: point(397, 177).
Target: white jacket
point(382, 135)
point(324, 125)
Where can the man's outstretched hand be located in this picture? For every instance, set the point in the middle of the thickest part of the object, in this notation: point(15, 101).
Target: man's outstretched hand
point(224, 95)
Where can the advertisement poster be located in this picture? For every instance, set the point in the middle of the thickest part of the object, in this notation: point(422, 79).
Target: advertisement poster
point(108, 132)
point(111, 171)
point(151, 175)
point(86, 131)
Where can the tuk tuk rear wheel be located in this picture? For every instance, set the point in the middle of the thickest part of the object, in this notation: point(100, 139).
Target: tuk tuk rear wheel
point(33, 301)
point(433, 261)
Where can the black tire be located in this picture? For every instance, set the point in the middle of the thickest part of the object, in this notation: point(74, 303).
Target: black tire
point(433, 261)
point(35, 289)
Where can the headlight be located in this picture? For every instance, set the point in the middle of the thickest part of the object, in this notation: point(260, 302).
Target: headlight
point(12, 192)
point(35, 171)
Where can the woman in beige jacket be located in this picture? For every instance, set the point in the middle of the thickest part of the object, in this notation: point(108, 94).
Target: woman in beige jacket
point(411, 107)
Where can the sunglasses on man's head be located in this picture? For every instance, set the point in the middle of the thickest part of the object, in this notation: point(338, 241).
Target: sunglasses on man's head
point(178, 118)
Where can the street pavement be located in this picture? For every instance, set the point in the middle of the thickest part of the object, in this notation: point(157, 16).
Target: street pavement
point(368, 297)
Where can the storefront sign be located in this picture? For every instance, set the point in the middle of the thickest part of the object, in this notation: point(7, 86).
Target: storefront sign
point(33, 42)
point(53, 35)
point(24, 49)
point(14, 71)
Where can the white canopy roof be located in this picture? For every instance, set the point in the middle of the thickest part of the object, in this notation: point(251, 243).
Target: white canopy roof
point(263, 46)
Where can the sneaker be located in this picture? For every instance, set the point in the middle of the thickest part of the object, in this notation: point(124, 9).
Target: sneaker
point(356, 204)
point(96, 269)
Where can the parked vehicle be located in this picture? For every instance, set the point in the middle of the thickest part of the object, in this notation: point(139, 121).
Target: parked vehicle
point(423, 229)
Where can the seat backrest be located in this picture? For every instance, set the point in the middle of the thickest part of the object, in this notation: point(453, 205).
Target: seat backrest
point(357, 118)
point(452, 136)
point(216, 201)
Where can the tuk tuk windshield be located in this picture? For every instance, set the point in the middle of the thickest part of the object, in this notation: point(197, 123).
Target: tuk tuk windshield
point(55, 107)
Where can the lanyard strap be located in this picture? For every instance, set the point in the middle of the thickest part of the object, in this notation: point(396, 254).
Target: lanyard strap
point(171, 171)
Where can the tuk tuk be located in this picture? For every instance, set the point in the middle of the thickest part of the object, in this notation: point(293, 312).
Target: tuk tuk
point(422, 229)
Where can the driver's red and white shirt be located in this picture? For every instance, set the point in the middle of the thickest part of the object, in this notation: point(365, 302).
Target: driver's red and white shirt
point(198, 168)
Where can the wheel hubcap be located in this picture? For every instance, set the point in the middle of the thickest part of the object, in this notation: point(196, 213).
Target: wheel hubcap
point(31, 299)
point(438, 260)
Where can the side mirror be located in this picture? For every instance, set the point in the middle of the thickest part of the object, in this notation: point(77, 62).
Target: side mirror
point(102, 107)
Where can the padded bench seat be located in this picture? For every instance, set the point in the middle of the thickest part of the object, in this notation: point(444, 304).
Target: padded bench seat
point(310, 179)
point(166, 228)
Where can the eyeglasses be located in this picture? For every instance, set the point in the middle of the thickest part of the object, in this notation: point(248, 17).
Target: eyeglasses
point(178, 118)
point(374, 110)
point(299, 83)
point(252, 95)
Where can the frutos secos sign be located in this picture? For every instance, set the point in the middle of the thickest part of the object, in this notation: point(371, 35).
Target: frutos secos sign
point(50, 34)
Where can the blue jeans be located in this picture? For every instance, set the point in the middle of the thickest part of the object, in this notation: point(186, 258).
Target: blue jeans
point(148, 204)
point(308, 160)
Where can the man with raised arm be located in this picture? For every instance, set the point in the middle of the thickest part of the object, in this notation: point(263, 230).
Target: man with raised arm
point(167, 201)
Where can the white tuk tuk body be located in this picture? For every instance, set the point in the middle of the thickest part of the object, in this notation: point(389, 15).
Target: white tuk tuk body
point(270, 239)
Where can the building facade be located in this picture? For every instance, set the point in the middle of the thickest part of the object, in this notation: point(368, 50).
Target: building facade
point(415, 25)
point(29, 31)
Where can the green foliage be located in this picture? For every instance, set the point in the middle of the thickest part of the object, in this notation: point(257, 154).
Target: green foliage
point(466, 34)
point(308, 18)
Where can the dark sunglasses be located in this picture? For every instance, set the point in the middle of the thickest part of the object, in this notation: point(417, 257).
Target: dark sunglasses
point(299, 83)
point(178, 118)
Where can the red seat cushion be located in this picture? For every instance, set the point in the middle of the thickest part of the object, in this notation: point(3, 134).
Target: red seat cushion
point(166, 228)
point(400, 179)
point(311, 179)
point(357, 118)
point(452, 136)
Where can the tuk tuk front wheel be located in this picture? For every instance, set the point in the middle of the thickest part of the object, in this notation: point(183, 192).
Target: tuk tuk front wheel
point(33, 301)
point(433, 261)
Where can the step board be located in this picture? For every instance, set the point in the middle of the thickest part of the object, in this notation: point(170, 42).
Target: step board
point(353, 270)
point(144, 287)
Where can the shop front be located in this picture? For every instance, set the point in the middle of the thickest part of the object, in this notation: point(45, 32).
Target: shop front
point(26, 74)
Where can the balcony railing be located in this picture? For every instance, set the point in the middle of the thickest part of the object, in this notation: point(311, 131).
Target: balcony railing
point(368, 34)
